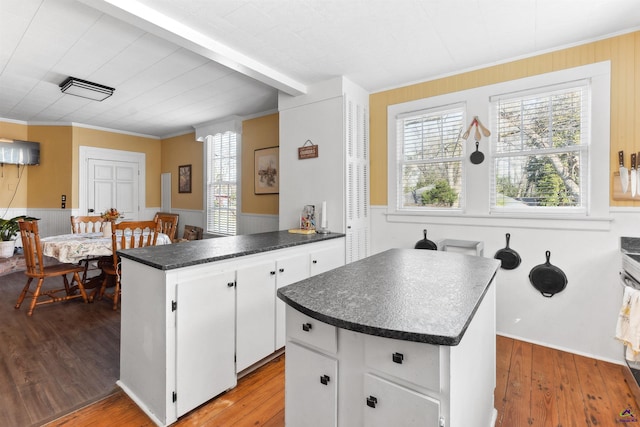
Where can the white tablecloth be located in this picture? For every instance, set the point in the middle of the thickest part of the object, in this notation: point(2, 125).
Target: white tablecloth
point(76, 247)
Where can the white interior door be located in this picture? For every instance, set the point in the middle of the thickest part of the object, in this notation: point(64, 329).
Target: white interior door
point(113, 184)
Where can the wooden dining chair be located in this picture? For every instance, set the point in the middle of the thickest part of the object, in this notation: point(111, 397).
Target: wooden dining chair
point(169, 224)
point(87, 224)
point(37, 270)
point(125, 235)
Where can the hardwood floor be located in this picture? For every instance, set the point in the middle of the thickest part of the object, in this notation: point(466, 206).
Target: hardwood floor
point(536, 386)
point(65, 357)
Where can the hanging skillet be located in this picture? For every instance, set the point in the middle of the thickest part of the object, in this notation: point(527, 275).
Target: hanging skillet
point(426, 243)
point(509, 258)
point(477, 157)
point(547, 278)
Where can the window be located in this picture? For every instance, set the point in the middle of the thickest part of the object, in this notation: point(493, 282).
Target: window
point(540, 150)
point(222, 183)
point(430, 158)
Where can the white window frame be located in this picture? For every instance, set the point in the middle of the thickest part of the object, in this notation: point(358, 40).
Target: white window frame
point(401, 162)
point(582, 149)
point(477, 178)
point(210, 140)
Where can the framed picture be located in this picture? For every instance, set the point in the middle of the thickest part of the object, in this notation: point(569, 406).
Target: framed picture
point(267, 171)
point(184, 179)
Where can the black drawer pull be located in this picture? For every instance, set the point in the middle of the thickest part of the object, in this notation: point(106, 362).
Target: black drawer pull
point(397, 358)
point(315, 261)
point(272, 273)
point(306, 327)
point(371, 401)
point(281, 270)
point(231, 284)
point(325, 379)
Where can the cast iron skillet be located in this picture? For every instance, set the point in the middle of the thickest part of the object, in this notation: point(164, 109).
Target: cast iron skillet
point(508, 257)
point(547, 278)
point(426, 243)
point(477, 157)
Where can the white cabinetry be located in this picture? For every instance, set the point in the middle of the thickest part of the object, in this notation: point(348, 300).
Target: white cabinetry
point(207, 364)
point(291, 269)
point(389, 404)
point(183, 329)
point(384, 381)
point(255, 313)
point(312, 378)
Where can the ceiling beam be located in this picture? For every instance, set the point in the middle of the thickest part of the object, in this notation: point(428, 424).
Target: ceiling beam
point(156, 23)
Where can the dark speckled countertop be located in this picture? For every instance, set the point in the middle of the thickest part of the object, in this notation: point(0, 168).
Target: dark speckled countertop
point(407, 294)
point(185, 254)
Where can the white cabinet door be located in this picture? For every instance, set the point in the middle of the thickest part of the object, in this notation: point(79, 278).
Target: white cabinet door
point(204, 338)
point(311, 391)
point(288, 270)
point(386, 404)
point(255, 313)
point(327, 258)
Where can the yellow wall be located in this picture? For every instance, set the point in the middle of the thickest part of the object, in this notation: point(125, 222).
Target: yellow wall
point(623, 52)
point(178, 151)
point(117, 141)
point(10, 185)
point(53, 177)
point(262, 132)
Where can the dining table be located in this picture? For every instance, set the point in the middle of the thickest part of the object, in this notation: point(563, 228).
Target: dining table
point(76, 247)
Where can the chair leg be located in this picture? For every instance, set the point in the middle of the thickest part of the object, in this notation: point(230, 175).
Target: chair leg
point(34, 299)
point(76, 278)
point(23, 293)
point(103, 286)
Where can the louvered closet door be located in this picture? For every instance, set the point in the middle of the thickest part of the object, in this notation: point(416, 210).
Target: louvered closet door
point(357, 192)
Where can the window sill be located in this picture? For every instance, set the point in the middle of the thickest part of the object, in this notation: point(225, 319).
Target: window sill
point(537, 222)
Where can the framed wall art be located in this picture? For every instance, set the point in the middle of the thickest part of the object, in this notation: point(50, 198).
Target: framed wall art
point(184, 179)
point(267, 171)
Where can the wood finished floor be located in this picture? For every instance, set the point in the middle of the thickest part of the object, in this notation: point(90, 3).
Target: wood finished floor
point(66, 357)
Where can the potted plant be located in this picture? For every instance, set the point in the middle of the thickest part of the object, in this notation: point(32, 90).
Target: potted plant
point(9, 229)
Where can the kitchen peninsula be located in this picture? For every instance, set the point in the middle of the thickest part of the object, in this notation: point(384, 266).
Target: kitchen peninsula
point(197, 315)
point(404, 337)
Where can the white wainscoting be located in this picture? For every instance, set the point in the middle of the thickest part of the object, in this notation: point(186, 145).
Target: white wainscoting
point(56, 221)
point(256, 223)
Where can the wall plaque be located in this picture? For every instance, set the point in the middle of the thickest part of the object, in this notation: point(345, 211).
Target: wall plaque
point(308, 150)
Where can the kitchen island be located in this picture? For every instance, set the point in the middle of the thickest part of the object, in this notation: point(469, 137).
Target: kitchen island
point(405, 337)
point(197, 315)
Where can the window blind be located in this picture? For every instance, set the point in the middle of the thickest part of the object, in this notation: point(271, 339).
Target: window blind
point(222, 183)
point(540, 150)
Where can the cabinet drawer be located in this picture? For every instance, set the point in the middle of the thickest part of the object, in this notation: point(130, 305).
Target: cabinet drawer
point(388, 404)
point(415, 362)
point(311, 331)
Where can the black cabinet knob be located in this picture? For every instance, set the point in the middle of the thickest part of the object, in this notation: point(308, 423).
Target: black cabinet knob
point(397, 358)
point(371, 401)
point(231, 284)
point(273, 273)
point(306, 327)
point(315, 261)
point(281, 270)
point(325, 379)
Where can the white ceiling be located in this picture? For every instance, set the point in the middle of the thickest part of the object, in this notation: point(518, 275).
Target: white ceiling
point(164, 56)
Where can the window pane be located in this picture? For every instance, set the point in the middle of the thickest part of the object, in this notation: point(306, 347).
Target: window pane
point(433, 136)
point(528, 181)
point(221, 183)
point(540, 122)
point(430, 159)
point(540, 154)
point(433, 185)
